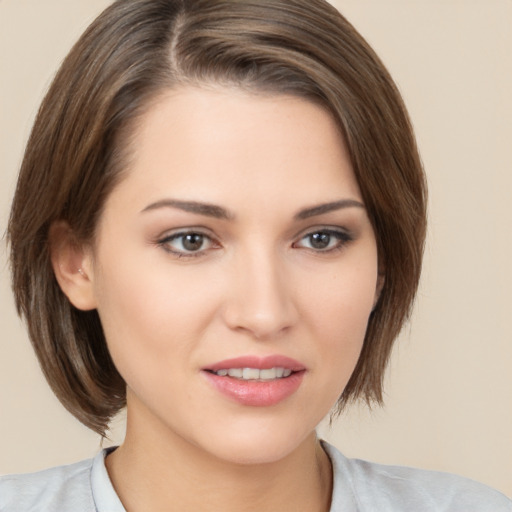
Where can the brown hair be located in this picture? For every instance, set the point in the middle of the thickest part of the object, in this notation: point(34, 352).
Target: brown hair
point(133, 51)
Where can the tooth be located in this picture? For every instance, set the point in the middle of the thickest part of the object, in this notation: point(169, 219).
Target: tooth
point(268, 374)
point(251, 374)
point(255, 373)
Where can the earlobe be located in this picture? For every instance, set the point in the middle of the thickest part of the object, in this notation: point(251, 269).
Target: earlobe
point(72, 265)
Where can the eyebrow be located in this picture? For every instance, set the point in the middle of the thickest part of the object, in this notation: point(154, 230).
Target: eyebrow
point(207, 209)
point(320, 209)
point(213, 210)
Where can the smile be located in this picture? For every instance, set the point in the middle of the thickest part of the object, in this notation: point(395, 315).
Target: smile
point(255, 373)
point(256, 381)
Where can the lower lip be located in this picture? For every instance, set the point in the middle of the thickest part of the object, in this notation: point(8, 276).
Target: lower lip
point(256, 393)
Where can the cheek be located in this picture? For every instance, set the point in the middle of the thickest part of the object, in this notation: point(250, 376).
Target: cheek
point(339, 312)
point(342, 299)
point(149, 312)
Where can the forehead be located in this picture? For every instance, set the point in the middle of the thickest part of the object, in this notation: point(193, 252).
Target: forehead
point(221, 144)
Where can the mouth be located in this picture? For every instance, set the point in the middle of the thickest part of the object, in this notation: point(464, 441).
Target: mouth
point(254, 374)
point(256, 381)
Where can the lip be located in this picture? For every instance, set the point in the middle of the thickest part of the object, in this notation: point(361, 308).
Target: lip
point(256, 393)
point(260, 362)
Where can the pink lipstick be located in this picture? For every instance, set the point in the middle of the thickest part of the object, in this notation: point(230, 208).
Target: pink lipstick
point(256, 381)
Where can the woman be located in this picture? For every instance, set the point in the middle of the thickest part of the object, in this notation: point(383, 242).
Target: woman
point(219, 224)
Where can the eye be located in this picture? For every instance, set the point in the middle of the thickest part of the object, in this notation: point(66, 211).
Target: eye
point(324, 240)
point(188, 243)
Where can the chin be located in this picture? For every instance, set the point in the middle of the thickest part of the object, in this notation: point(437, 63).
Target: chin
point(258, 443)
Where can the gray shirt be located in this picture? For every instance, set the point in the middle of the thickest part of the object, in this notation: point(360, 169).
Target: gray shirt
point(358, 486)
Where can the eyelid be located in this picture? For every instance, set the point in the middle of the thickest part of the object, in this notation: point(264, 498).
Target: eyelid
point(329, 228)
point(343, 235)
point(164, 240)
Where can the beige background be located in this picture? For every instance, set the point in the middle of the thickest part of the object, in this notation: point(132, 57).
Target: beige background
point(449, 390)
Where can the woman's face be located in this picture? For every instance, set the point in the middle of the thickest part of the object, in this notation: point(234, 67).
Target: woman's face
point(234, 272)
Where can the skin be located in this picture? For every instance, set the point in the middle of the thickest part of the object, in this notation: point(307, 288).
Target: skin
point(258, 284)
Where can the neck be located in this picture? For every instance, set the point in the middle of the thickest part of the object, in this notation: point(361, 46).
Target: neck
point(172, 474)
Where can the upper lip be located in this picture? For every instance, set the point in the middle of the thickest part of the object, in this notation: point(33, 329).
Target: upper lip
point(259, 362)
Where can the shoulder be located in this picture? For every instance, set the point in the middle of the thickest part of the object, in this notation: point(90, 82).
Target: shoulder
point(396, 488)
point(63, 488)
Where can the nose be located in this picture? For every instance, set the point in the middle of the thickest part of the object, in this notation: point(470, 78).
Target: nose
point(261, 301)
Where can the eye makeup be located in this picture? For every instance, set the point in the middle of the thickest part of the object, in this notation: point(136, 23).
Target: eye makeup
point(188, 243)
point(324, 240)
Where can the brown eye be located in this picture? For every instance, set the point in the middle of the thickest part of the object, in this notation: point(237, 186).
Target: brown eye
point(319, 240)
point(324, 240)
point(189, 243)
point(192, 242)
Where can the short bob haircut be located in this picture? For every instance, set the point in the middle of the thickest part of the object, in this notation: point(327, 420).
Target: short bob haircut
point(77, 151)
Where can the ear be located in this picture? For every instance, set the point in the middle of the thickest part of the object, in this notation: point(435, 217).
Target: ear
point(72, 265)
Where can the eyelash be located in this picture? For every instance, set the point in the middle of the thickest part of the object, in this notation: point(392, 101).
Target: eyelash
point(341, 238)
point(184, 253)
